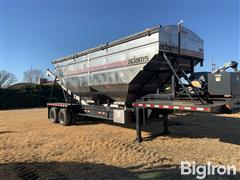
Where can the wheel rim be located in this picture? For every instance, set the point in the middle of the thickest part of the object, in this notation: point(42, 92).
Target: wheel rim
point(52, 116)
point(61, 118)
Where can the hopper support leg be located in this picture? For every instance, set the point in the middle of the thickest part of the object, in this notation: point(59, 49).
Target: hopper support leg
point(53, 89)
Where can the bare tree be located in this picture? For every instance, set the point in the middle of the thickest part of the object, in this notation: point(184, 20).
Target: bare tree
point(33, 75)
point(7, 79)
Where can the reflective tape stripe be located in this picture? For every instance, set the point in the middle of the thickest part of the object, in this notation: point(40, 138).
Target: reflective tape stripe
point(171, 107)
point(187, 108)
point(181, 108)
point(58, 105)
point(193, 108)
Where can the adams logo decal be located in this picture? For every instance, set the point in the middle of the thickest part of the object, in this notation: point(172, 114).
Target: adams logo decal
point(138, 60)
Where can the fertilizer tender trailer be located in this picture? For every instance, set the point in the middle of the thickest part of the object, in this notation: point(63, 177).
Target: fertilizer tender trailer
point(140, 77)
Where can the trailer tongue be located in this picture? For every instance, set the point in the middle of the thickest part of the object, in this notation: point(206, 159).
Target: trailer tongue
point(141, 75)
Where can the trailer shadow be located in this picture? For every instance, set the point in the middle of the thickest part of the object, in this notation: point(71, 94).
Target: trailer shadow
point(195, 125)
point(85, 170)
point(62, 171)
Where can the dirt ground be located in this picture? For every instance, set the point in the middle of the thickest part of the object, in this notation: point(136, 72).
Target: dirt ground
point(34, 148)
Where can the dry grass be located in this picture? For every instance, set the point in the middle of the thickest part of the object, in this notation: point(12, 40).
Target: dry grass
point(32, 145)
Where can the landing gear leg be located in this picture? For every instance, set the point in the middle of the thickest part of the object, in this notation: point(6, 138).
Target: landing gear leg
point(165, 123)
point(139, 115)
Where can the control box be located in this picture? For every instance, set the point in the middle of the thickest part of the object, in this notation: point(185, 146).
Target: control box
point(224, 83)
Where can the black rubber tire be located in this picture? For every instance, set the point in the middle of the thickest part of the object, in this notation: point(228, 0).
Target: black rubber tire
point(64, 117)
point(53, 115)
